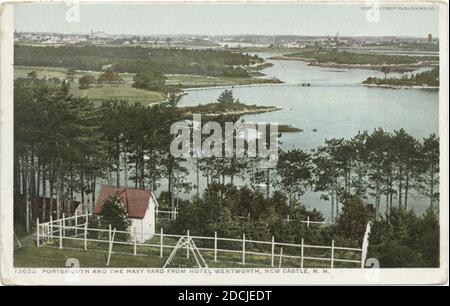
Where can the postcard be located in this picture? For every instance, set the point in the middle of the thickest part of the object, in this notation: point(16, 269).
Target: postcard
point(224, 143)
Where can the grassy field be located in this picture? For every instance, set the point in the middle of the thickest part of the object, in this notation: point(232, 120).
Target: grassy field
point(96, 255)
point(125, 90)
point(47, 72)
point(52, 256)
point(96, 92)
point(132, 94)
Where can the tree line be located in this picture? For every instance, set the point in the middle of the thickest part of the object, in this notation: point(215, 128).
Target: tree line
point(64, 144)
point(397, 239)
point(382, 167)
point(426, 78)
point(131, 59)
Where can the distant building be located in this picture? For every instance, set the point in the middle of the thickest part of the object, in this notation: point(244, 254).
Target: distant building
point(106, 67)
point(141, 208)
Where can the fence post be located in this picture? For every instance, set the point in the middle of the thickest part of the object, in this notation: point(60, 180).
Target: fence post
point(365, 245)
point(76, 223)
point(85, 235)
point(60, 234)
point(161, 243)
point(187, 245)
point(64, 224)
point(307, 222)
point(273, 250)
point(301, 254)
point(243, 249)
point(51, 226)
point(281, 257)
point(37, 231)
point(215, 246)
point(109, 234)
point(135, 240)
point(111, 238)
point(87, 217)
point(332, 254)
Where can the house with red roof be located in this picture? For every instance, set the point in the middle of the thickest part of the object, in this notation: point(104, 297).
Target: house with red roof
point(141, 208)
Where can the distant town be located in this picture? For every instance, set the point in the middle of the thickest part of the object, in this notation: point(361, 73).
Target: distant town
point(334, 40)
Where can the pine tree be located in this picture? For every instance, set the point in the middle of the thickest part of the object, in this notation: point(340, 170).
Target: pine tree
point(115, 213)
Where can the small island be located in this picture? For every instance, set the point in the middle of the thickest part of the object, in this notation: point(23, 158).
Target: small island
point(286, 128)
point(345, 59)
point(427, 79)
point(226, 104)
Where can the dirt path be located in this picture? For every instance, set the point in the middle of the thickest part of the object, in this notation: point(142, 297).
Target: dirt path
point(26, 241)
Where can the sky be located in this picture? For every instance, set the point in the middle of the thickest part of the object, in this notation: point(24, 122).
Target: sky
point(228, 19)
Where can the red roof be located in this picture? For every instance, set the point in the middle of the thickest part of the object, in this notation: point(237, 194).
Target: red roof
point(136, 200)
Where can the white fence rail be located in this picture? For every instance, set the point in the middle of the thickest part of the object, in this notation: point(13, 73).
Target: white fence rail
point(166, 215)
point(308, 222)
point(58, 230)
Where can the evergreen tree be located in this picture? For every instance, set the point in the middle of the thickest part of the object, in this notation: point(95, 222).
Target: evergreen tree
point(226, 97)
point(115, 213)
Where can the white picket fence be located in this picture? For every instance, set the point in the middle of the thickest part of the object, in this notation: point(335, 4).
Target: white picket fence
point(166, 215)
point(57, 230)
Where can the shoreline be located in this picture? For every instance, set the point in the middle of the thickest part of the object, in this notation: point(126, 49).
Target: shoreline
point(401, 86)
point(230, 86)
point(313, 62)
point(258, 110)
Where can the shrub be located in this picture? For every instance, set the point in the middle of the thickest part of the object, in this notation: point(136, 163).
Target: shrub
point(114, 213)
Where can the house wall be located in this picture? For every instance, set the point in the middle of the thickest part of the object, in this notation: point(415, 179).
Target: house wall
point(145, 227)
point(152, 214)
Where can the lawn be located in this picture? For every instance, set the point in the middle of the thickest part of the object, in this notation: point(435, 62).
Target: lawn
point(125, 90)
point(34, 257)
point(53, 257)
point(96, 92)
point(105, 92)
point(50, 255)
point(47, 72)
point(61, 73)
